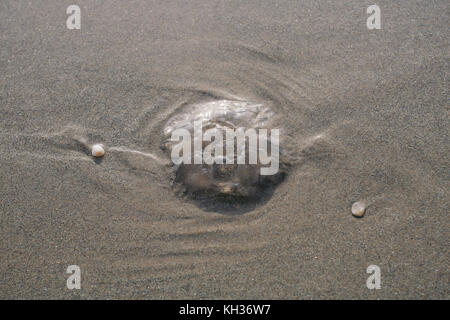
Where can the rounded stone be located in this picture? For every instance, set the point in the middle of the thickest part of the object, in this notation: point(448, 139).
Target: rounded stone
point(359, 208)
point(98, 150)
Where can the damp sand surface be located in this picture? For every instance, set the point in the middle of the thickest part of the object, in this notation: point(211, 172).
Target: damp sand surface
point(366, 112)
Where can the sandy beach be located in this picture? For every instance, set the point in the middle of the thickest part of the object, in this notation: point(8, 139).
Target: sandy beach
point(365, 113)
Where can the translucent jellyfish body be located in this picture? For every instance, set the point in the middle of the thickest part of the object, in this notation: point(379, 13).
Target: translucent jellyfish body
point(214, 151)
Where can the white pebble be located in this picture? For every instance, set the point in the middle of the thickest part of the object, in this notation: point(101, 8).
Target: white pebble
point(98, 150)
point(359, 208)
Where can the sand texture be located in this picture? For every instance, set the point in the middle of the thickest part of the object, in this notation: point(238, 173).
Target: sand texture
point(365, 113)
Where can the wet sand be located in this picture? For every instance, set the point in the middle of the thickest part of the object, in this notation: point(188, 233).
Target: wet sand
point(366, 111)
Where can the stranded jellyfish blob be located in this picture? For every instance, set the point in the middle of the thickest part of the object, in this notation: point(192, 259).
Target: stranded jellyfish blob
point(225, 173)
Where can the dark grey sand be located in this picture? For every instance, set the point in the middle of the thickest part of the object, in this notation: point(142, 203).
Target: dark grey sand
point(367, 110)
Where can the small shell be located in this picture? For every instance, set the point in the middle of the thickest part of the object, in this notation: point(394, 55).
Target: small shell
point(98, 150)
point(359, 208)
